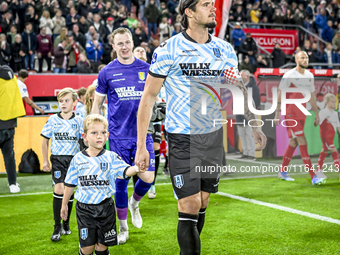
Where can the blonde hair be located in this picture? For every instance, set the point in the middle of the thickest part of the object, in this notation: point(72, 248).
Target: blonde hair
point(66, 91)
point(327, 97)
point(89, 100)
point(92, 118)
point(121, 30)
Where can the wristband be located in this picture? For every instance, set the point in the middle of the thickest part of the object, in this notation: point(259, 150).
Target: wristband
point(137, 169)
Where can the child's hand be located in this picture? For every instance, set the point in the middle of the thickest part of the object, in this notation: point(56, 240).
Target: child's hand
point(64, 212)
point(46, 167)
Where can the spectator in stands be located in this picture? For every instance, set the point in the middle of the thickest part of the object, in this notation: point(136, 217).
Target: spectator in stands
point(94, 51)
point(334, 20)
point(44, 49)
point(260, 62)
point(60, 58)
point(107, 50)
point(327, 32)
point(255, 15)
point(58, 23)
point(237, 36)
point(267, 10)
point(171, 5)
point(321, 6)
point(246, 65)
point(11, 35)
point(78, 36)
point(336, 40)
point(309, 24)
point(132, 21)
point(164, 12)
point(6, 22)
point(82, 8)
point(109, 26)
point(279, 57)
point(84, 65)
point(97, 6)
point(89, 19)
point(139, 36)
point(30, 41)
point(165, 30)
point(321, 21)
point(90, 33)
point(279, 17)
point(178, 29)
point(83, 26)
point(32, 18)
point(73, 50)
point(238, 16)
point(308, 49)
point(317, 55)
point(18, 51)
point(289, 17)
point(59, 38)
point(105, 12)
point(40, 6)
point(99, 26)
point(330, 56)
point(5, 51)
point(67, 9)
point(298, 17)
point(71, 18)
point(120, 17)
point(151, 14)
point(311, 10)
point(248, 47)
point(46, 22)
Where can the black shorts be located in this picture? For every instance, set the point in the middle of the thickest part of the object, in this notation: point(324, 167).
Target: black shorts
point(60, 165)
point(157, 135)
point(97, 223)
point(190, 158)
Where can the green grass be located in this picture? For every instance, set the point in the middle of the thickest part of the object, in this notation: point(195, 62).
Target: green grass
point(232, 226)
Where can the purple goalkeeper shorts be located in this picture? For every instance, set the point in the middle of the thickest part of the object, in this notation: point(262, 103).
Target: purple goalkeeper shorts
point(126, 149)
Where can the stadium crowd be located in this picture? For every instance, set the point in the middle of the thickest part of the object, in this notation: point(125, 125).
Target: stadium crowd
point(73, 36)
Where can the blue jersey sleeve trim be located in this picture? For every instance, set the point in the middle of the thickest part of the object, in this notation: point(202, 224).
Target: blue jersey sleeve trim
point(157, 75)
point(100, 94)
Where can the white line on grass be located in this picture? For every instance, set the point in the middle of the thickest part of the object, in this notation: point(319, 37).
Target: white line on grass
point(282, 208)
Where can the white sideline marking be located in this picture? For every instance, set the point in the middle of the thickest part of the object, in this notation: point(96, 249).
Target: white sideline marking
point(282, 208)
point(26, 194)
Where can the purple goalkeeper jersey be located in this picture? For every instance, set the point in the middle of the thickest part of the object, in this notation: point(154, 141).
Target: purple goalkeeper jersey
point(123, 85)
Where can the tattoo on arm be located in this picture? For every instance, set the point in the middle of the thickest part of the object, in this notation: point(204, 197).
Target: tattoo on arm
point(247, 113)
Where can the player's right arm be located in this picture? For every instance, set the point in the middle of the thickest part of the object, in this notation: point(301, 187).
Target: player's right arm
point(46, 165)
point(152, 87)
point(33, 105)
point(68, 191)
point(100, 92)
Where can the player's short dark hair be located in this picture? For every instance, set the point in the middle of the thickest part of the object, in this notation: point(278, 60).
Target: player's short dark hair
point(183, 4)
point(81, 91)
point(23, 73)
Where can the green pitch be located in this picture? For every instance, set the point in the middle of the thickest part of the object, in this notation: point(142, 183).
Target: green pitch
point(232, 226)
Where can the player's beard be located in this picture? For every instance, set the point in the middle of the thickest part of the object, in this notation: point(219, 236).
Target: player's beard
point(211, 24)
point(304, 66)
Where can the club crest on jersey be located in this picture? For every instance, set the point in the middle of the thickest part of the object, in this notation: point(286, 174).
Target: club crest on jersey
point(84, 233)
point(217, 52)
point(57, 174)
point(104, 166)
point(154, 58)
point(141, 76)
point(74, 126)
point(179, 181)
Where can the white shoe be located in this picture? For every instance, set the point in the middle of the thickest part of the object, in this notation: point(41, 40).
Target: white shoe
point(14, 188)
point(135, 215)
point(152, 192)
point(320, 174)
point(123, 236)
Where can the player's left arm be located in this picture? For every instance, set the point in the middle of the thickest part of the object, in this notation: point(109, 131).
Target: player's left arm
point(312, 101)
point(68, 192)
point(257, 133)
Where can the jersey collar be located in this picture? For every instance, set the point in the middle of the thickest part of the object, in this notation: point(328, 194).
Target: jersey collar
point(99, 154)
point(59, 115)
point(185, 34)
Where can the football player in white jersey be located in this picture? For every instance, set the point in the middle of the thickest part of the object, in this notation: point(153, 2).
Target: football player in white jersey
point(300, 78)
point(329, 124)
point(192, 142)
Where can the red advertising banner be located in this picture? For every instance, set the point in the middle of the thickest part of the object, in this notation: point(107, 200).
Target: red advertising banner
point(45, 85)
point(266, 38)
point(281, 72)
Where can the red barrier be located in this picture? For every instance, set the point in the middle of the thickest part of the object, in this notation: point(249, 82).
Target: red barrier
point(266, 38)
point(50, 84)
